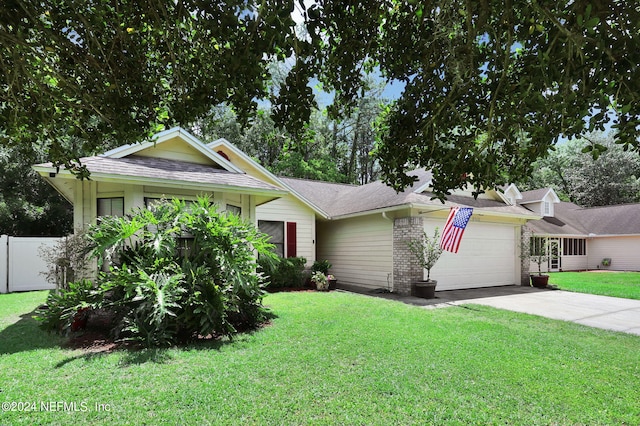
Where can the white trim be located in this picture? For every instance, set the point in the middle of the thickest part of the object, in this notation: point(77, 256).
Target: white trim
point(422, 188)
point(430, 208)
point(556, 199)
point(511, 188)
point(158, 138)
point(172, 183)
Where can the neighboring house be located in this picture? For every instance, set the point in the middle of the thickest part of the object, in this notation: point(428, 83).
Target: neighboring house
point(362, 230)
point(582, 238)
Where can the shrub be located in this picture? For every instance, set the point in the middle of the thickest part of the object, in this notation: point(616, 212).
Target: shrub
point(176, 272)
point(67, 260)
point(282, 272)
point(66, 307)
point(321, 266)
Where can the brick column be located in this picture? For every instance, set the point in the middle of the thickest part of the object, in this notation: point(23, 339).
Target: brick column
point(405, 267)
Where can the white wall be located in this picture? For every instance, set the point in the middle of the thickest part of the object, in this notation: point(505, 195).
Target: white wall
point(487, 257)
point(23, 264)
point(360, 250)
point(3, 263)
point(567, 263)
point(288, 209)
point(624, 252)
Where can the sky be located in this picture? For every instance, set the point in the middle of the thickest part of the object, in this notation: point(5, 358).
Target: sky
point(391, 91)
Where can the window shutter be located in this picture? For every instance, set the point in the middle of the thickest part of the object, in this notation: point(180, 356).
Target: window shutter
point(291, 239)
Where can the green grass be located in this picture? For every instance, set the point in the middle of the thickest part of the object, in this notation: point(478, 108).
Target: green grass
point(616, 284)
point(335, 358)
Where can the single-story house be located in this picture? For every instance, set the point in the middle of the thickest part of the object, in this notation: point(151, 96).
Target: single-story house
point(362, 230)
point(581, 238)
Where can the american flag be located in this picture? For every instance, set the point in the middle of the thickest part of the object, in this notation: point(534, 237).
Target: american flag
point(454, 228)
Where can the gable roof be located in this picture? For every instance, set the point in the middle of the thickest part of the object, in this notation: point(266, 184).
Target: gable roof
point(148, 163)
point(340, 200)
point(512, 189)
point(538, 195)
point(167, 135)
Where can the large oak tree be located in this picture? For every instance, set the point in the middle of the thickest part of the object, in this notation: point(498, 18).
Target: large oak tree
point(489, 85)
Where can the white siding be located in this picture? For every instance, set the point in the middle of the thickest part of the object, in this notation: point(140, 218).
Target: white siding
point(574, 263)
point(360, 250)
point(4, 263)
point(288, 209)
point(624, 252)
point(175, 149)
point(487, 257)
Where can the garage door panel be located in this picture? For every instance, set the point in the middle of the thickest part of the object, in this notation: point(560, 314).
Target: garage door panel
point(486, 258)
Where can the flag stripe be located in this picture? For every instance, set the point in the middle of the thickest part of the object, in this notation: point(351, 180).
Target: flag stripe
point(454, 228)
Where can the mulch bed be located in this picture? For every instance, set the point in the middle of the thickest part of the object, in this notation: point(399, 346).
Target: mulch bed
point(288, 289)
point(92, 341)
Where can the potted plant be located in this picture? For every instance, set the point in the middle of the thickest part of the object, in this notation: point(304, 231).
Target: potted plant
point(332, 282)
point(427, 251)
point(320, 280)
point(538, 254)
point(323, 266)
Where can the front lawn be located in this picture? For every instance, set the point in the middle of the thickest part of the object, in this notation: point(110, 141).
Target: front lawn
point(332, 358)
point(616, 284)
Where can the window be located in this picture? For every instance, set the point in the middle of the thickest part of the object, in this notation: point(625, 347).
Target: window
point(150, 202)
point(538, 246)
point(276, 231)
point(283, 238)
point(547, 208)
point(574, 247)
point(111, 206)
point(234, 209)
point(185, 242)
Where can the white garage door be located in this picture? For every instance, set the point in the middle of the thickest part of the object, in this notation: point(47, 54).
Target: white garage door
point(486, 257)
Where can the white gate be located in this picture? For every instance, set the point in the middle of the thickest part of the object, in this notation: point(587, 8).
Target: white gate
point(21, 266)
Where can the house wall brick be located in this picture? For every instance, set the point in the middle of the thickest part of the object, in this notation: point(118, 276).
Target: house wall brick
point(406, 268)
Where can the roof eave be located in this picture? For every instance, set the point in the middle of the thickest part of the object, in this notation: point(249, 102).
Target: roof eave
point(171, 183)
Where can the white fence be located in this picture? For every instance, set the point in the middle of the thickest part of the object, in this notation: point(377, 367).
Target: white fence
point(21, 264)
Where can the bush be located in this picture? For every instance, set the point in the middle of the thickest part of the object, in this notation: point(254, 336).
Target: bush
point(282, 272)
point(68, 307)
point(321, 266)
point(67, 260)
point(176, 272)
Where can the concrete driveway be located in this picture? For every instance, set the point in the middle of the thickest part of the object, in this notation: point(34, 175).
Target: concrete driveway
point(609, 313)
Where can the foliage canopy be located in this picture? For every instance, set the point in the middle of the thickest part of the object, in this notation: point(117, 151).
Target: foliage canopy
point(612, 178)
point(489, 85)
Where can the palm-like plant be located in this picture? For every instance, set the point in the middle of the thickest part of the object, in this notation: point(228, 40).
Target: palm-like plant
point(164, 294)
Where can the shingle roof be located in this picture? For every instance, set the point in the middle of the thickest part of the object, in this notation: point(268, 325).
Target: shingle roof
point(341, 200)
point(623, 219)
point(563, 221)
point(164, 169)
point(533, 195)
point(571, 219)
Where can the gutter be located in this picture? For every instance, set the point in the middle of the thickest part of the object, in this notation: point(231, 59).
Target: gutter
point(170, 182)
